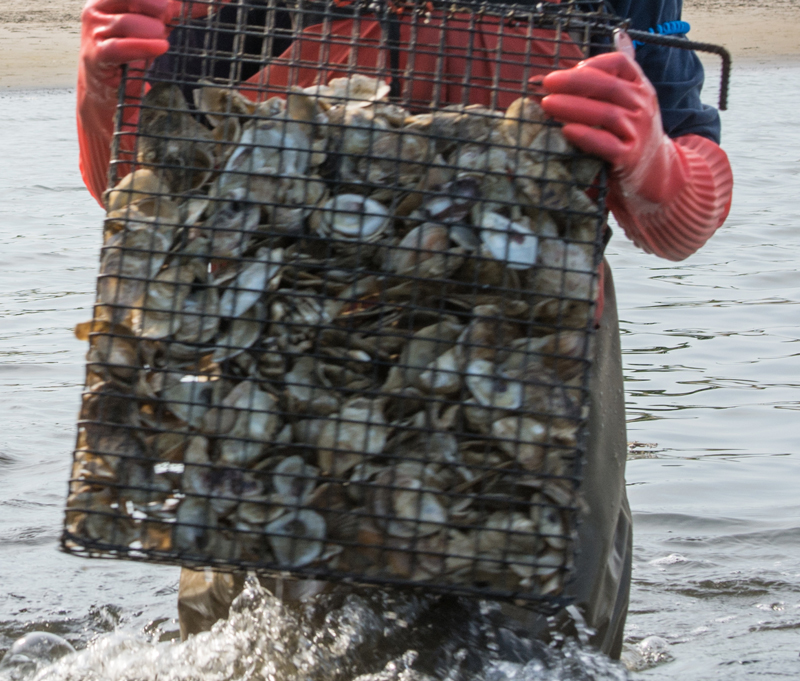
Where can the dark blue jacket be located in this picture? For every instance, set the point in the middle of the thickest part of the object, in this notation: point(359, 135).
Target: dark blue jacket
point(676, 74)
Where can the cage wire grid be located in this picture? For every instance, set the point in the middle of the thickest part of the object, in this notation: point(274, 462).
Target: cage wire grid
point(346, 301)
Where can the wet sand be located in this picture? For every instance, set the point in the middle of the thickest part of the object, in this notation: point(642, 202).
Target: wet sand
point(762, 32)
point(39, 43)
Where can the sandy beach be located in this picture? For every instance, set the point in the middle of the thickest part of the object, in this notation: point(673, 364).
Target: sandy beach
point(39, 44)
point(752, 32)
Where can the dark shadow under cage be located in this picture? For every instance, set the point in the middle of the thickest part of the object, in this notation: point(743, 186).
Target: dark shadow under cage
point(346, 300)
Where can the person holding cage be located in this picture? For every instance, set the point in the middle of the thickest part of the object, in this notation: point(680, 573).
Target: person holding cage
point(670, 188)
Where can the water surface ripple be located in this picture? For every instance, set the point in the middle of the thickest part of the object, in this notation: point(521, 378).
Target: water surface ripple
point(712, 363)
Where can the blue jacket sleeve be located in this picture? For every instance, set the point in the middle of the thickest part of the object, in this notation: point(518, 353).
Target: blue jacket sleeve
point(676, 74)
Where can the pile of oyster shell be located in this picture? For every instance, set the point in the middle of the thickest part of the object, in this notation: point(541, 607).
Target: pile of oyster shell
point(335, 337)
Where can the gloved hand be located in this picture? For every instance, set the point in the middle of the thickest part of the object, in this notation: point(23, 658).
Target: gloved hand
point(113, 33)
point(669, 195)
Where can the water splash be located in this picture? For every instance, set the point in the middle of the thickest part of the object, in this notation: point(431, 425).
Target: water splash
point(368, 635)
point(650, 652)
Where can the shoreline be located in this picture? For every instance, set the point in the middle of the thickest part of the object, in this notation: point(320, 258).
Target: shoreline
point(752, 34)
point(38, 56)
point(39, 47)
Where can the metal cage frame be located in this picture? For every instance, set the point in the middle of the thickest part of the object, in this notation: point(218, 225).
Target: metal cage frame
point(322, 357)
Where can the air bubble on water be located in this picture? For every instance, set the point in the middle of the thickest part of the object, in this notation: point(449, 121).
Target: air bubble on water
point(648, 653)
point(671, 559)
point(32, 652)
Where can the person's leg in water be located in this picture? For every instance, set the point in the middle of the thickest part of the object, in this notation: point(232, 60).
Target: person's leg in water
point(605, 536)
point(603, 565)
point(601, 586)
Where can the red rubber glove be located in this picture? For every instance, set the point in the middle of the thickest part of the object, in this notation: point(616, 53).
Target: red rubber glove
point(670, 196)
point(113, 33)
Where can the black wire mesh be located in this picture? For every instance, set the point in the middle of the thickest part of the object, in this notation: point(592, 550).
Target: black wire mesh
point(345, 301)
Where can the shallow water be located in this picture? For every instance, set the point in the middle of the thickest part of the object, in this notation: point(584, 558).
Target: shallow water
point(711, 362)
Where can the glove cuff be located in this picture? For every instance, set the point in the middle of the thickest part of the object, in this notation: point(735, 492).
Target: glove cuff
point(696, 203)
point(96, 111)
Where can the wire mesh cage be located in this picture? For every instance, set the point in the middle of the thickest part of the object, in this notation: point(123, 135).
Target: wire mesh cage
point(346, 299)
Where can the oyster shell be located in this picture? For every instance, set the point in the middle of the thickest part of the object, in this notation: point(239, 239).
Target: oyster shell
point(142, 183)
point(128, 260)
point(242, 334)
point(357, 90)
point(248, 418)
point(406, 504)
point(219, 103)
point(199, 316)
point(189, 396)
point(523, 439)
point(279, 145)
point(251, 283)
point(195, 521)
point(294, 481)
point(444, 374)
point(351, 217)
point(165, 296)
point(523, 122)
point(511, 241)
point(297, 537)
point(170, 136)
point(230, 226)
point(425, 253)
point(356, 433)
point(491, 387)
